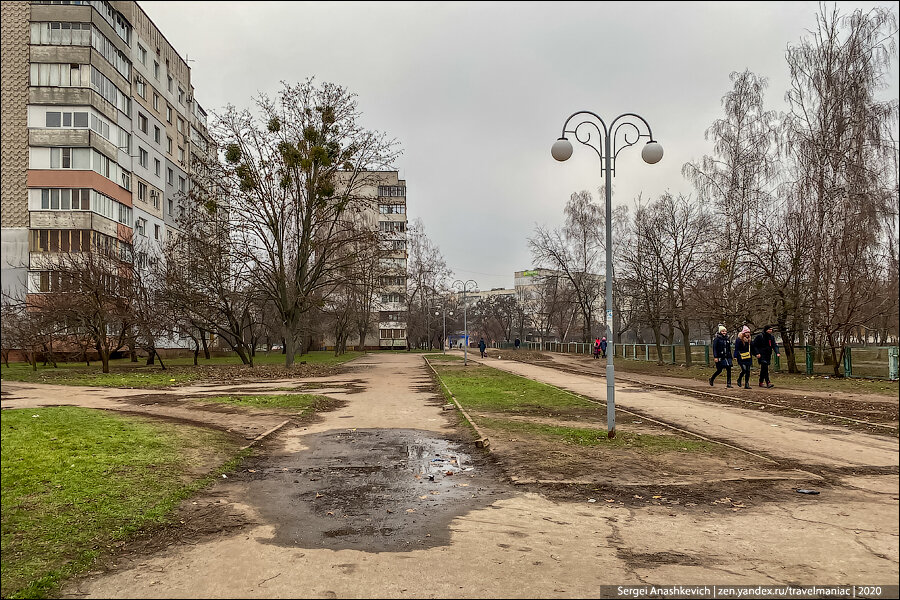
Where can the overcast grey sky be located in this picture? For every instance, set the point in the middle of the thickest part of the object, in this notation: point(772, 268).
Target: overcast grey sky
point(476, 93)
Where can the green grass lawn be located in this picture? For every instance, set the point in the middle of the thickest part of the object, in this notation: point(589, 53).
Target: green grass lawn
point(75, 481)
point(489, 390)
point(484, 388)
point(583, 436)
point(127, 374)
point(300, 404)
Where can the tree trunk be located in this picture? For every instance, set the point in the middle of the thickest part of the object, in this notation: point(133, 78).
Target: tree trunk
point(151, 356)
point(205, 346)
point(196, 351)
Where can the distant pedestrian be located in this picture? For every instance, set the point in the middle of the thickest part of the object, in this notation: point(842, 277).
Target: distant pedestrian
point(722, 355)
point(603, 346)
point(764, 345)
point(481, 347)
point(597, 348)
point(518, 343)
point(743, 353)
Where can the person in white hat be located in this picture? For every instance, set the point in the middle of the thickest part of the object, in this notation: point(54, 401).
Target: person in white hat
point(722, 355)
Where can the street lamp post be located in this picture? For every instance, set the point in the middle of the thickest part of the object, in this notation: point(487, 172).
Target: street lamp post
point(444, 339)
point(464, 285)
point(630, 130)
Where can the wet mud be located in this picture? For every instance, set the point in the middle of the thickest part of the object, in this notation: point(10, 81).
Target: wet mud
point(370, 489)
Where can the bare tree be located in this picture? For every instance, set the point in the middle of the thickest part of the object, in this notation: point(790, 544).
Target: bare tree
point(296, 175)
point(576, 251)
point(839, 139)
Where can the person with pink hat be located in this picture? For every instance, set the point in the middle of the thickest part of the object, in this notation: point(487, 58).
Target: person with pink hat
point(743, 352)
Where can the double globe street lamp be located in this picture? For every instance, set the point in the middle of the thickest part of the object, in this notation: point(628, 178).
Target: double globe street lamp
point(444, 339)
point(463, 287)
point(624, 131)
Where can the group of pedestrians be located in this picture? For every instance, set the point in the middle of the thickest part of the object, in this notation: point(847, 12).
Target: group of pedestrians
point(600, 346)
point(762, 347)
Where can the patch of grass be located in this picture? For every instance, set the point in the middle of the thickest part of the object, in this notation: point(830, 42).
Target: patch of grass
point(597, 437)
point(482, 388)
point(75, 482)
point(301, 404)
point(120, 377)
point(126, 374)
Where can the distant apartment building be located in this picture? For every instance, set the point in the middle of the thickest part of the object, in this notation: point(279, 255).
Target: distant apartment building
point(99, 126)
point(391, 298)
point(384, 195)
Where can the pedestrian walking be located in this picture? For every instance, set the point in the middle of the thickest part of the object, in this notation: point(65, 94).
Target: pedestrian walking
point(722, 355)
point(517, 343)
point(603, 346)
point(764, 345)
point(743, 348)
point(481, 347)
point(597, 348)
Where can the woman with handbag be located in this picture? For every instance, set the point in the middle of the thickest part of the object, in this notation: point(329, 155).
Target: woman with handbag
point(744, 356)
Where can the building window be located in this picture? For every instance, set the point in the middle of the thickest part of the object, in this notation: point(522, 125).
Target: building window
point(180, 96)
point(156, 134)
point(168, 113)
point(169, 145)
point(141, 88)
point(142, 122)
point(142, 55)
point(181, 184)
point(156, 232)
point(180, 154)
point(392, 191)
point(156, 70)
point(170, 176)
point(155, 101)
point(170, 84)
point(392, 334)
point(143, 157)
point(141, 226)
point(156, 166)
point(171, 206)
point(392, 226)
point(392, 209)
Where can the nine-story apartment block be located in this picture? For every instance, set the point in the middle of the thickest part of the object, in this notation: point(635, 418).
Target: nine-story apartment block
point(99, 128)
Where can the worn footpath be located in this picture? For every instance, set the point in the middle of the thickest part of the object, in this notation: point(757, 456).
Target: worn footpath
point(384, 498)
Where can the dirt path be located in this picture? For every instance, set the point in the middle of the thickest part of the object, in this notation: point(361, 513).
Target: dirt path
point(346, 507)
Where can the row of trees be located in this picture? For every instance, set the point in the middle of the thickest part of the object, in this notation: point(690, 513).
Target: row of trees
point(795, 218)
point(277, 244)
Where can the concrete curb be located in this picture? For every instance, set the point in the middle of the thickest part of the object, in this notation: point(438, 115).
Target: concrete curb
point(483, 441)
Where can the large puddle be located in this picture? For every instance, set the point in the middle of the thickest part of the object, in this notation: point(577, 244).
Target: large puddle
point(372, 489)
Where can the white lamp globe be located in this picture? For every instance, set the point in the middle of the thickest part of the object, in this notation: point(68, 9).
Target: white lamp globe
point(561, 150)
point(652, 152)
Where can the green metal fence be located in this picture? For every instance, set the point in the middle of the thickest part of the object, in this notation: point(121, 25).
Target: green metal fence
point(872, 362)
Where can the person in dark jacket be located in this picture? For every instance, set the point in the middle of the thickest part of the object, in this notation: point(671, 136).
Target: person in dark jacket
point(597, 348)
point(481, 347)
point(518, 343)
point(743, 352)
point(722, 355)
point(764, 345)
point(603, 345)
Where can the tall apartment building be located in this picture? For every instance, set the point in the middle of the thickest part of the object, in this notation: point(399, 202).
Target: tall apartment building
point(99, 124)
point(392, 221)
